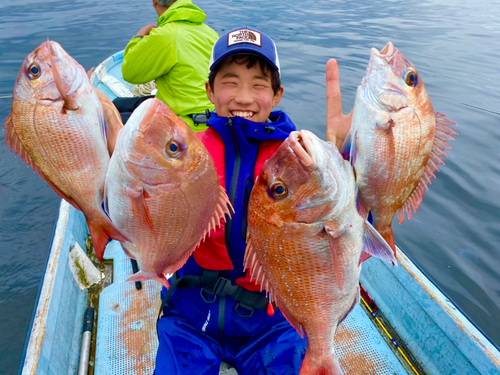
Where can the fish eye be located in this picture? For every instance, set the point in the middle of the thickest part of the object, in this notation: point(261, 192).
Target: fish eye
point(279, 190)
point(34, 71)
point(173, 148)
point(411, 78)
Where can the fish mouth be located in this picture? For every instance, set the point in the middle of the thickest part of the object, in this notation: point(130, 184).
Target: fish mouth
point(385, 53)
point(301, 143)
point(74, 74)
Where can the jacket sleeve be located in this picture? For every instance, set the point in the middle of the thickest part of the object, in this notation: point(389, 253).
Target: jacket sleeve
point(148, 58)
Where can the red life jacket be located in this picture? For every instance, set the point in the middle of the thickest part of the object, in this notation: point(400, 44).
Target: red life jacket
point(212, 254)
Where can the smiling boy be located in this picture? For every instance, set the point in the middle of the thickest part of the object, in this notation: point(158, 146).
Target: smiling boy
point(213, 312)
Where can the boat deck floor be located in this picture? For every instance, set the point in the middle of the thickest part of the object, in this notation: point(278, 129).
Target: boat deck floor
point(126, 330)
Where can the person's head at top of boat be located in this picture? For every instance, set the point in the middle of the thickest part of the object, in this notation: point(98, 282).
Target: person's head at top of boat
point(244, 78)
point(161, 6)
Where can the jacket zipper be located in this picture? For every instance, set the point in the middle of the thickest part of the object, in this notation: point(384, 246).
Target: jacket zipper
point(229, 223)
point(234, 179)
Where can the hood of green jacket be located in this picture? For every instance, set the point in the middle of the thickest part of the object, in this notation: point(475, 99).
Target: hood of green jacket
point(182, 10)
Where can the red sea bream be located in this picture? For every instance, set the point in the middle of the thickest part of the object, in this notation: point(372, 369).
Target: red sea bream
point(162, 191)
point(305, 240)
point(58, 126)
point(396, 141)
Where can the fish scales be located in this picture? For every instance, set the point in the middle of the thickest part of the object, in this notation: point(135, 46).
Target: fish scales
point(305, 239)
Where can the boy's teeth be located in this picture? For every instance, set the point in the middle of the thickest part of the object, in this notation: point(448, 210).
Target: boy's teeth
point(243, 114)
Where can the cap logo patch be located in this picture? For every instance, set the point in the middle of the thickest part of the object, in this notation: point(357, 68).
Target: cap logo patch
point(244, 36)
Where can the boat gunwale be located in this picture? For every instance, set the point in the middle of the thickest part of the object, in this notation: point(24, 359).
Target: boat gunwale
point(38, 293)
point(35, 336)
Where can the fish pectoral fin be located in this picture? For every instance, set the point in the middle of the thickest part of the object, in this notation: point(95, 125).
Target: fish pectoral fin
point(113, 118)
point(142, 276)
point(334, 231)
point(101, 232)
point(348, 149)
point(375, 245)
point(139, 206)
point(385, 125)
point(361, 206)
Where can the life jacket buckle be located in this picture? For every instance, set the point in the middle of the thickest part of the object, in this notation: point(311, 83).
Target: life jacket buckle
point(209, 293)
point(223, 287)
point(244, 307)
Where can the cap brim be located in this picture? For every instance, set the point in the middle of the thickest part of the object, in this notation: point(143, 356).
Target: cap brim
point(244, 49)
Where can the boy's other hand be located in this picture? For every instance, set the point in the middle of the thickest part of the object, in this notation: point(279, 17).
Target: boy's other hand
point(146, 30)
point(337, 124)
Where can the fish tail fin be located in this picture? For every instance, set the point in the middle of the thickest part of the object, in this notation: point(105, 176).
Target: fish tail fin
point(325, 365)
point(380, 245)
point(101, 233)
point(143, 276)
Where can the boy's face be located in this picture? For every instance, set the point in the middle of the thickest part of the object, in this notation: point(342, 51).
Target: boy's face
point(244, 92)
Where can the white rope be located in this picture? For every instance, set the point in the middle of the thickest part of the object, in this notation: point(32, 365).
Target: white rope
point(144, 89)
point(6, 97)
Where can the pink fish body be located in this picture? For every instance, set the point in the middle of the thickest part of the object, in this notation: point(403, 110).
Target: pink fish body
point(58, 127)
point(162, 191)
point(305, 240)
point(396, 141)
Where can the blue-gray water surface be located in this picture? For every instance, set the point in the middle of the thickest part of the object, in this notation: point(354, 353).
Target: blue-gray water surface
point(455, 235)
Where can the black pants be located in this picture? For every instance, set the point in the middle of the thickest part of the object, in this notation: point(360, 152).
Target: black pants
point(127, 105)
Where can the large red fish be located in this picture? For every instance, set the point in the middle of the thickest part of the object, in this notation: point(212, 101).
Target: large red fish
point(396, 141)
point(305, 240)
point(162, 191)
point(59, 127)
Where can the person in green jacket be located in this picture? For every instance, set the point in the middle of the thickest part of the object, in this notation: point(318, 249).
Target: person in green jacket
point(175, 54)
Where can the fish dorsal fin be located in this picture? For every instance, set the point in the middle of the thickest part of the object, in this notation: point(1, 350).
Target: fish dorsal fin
point(348, 150)
point(375, 245)
point(334, 231)
point(443, 135)
point(257, 273)
point(113, 119)
point(15, 144)
point(223, 208)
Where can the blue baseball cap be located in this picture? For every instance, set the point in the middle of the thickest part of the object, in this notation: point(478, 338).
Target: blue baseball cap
point(245, 40)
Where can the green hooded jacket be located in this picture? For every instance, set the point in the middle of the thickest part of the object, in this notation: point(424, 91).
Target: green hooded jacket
point(176, 55)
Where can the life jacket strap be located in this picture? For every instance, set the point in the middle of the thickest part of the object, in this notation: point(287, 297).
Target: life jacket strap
point(212, 286)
